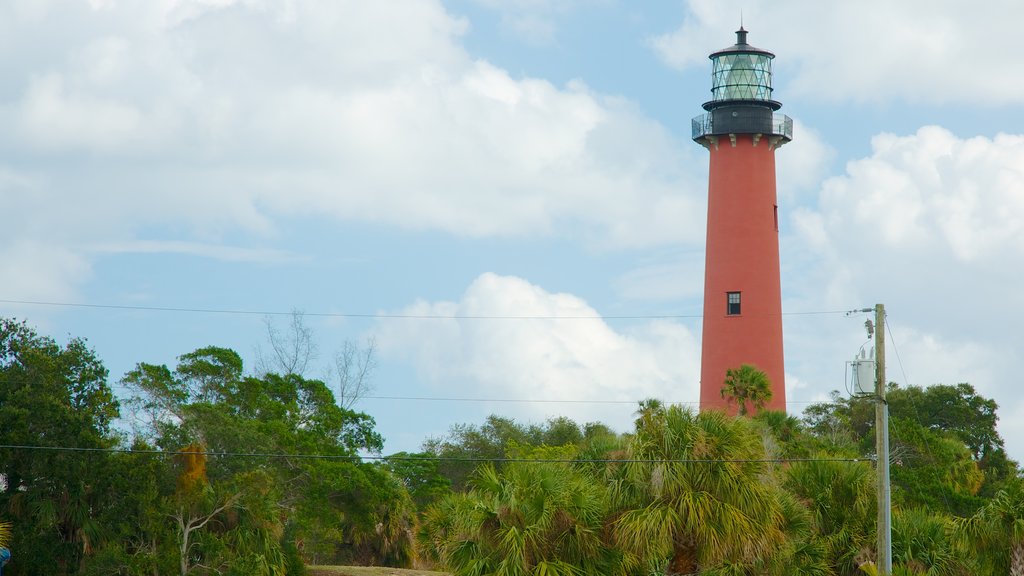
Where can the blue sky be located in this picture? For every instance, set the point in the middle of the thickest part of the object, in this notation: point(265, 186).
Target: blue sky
point(365, 160)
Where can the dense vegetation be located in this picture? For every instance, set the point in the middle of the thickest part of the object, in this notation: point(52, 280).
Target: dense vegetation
point(229, 472)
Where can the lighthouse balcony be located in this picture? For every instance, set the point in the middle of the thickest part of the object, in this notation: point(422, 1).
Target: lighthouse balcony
point(743, 120)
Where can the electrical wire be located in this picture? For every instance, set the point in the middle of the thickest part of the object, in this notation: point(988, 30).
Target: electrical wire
point(351, 458)
point(539, 401)
point(382, 316)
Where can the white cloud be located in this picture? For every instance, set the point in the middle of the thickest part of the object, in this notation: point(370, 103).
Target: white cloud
point(214, 117)
point(51, 117)
point(544, 358)
point(932, 193)
point(37, 271)
point(932, 226)
point(801, 164)
point(918, 50)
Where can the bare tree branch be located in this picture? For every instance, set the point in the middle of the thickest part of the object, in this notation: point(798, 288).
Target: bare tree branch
point(353, 371)
point(189, 523)
point(292, 348)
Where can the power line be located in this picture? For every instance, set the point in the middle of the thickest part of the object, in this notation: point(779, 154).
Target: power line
point(540, 401)
point(351, 458)
point(346, 314)
point(381, 316)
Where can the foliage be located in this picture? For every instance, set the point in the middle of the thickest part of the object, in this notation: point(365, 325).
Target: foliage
point(841, 499)
point(52, 396)
point(694, 491)
point(420, 476)
point(528, 519)
point(345, 509)
point(996, 532)
point(921, 543)
point(932, 469)
point(682, 493)
point(946, 452)
point(746, 384)
point(966, 415)
point(212, 508)
point(493, 440)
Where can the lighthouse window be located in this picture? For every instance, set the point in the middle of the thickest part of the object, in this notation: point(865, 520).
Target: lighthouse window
point(732, 303)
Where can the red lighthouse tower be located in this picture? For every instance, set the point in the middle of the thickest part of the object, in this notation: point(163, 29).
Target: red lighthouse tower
point(742, 293)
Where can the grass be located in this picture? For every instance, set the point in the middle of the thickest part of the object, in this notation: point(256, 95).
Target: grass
point(367, 571)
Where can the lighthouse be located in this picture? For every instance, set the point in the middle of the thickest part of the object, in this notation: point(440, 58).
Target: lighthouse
point(741, 130)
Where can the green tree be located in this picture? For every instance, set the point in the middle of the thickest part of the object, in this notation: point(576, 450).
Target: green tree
point(139, 534)
point(958, 410)
point(340, 506)
point(694, 491)
point(841, 500)
point(52, 397)
point(467, 443)
point(420, 476)
point(946, 452)
point(529, 519)
point(996, 532)
point(747, 384)
point(921, 542)
point(932, 469)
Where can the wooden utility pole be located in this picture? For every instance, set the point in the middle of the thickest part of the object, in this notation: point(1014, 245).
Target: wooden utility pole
point(882, 449)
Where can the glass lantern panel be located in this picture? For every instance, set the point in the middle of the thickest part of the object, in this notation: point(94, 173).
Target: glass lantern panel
point(742, 77)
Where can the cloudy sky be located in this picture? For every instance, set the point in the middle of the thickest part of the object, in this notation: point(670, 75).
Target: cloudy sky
point(426, 173)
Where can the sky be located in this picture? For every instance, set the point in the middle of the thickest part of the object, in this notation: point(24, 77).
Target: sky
point(503, 195)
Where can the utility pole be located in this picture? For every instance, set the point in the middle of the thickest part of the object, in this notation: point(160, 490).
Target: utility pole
point(882, 449)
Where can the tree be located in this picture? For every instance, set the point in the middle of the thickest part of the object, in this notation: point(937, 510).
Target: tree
point(996, 532)
point(932, 469)
point(694, 491)
point(353, 371)
point(747, 384)
point(922, 546)
point(529, 519)
point(498, 436)
point(419, 473)
point(245, 509)
point(945, 449)
point(841, 500)
point(52, 397)
point(960, 411)
point(291, 349)
point(921, 543)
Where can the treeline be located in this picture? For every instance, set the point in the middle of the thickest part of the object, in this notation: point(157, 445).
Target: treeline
point(221, 480)
point(264, 507)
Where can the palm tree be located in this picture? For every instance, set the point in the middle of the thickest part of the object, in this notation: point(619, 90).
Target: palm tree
point(529, 519)
point(747, 384)
point(694, 491)
point(921, 544)
point(841, 500)
point(996, 532)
